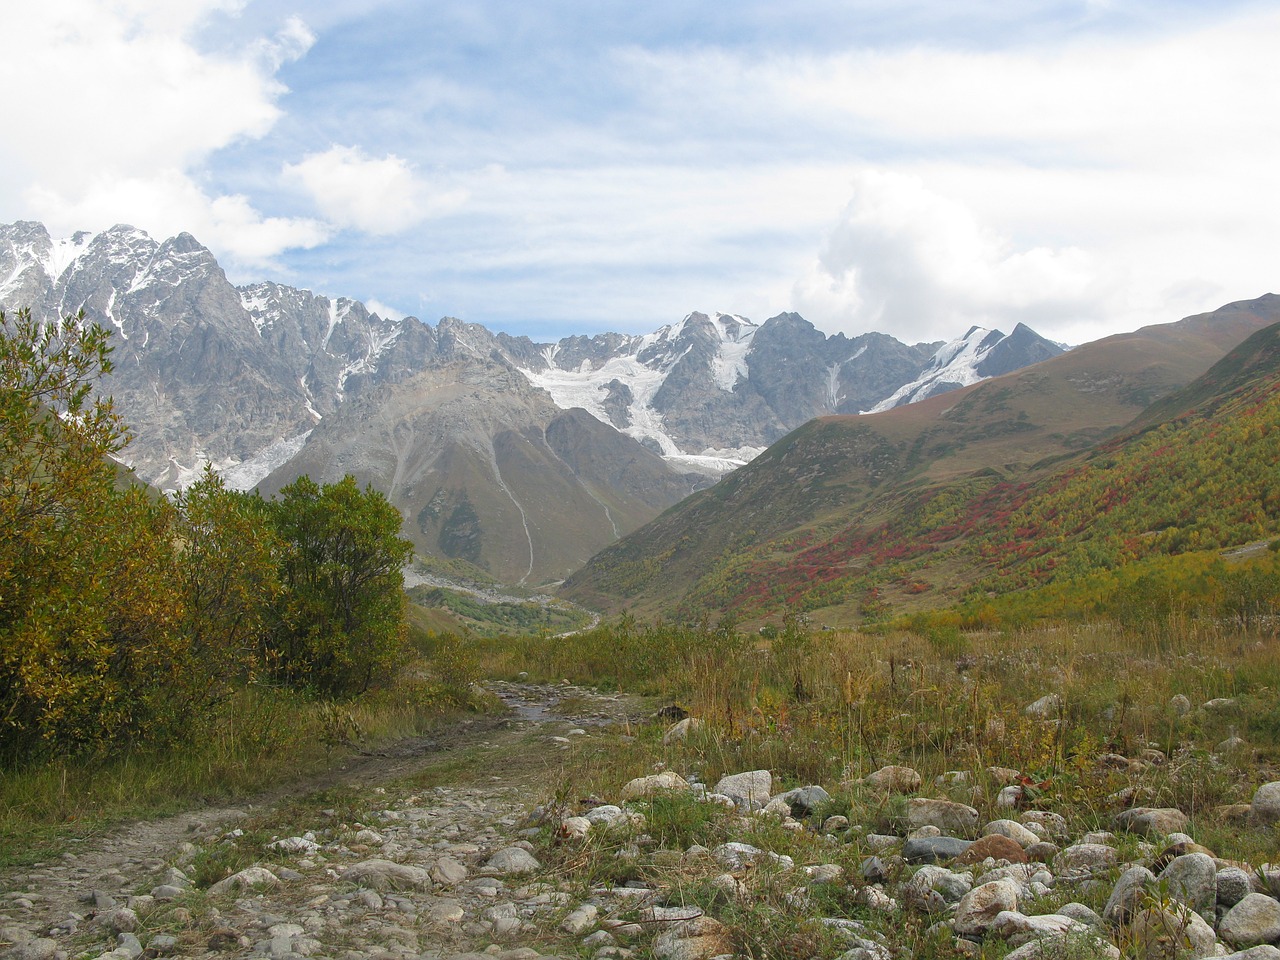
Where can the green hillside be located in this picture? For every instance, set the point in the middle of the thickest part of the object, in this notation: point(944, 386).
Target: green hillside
point(1004, 484)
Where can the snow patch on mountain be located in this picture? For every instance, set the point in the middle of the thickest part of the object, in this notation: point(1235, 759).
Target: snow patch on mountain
point(730, 363)
point(247, 474)
point(63, 252)
point(955, 364)
point(585, 387)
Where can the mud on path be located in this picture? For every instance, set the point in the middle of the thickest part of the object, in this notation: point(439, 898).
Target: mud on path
point(499, 762)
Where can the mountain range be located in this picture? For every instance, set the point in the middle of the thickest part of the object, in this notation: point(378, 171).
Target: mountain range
point(522, 458)
point(1115, 449)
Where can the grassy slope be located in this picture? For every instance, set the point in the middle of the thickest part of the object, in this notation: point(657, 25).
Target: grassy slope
point(794, 527)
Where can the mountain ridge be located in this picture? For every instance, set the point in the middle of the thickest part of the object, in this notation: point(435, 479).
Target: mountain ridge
point(805, 522)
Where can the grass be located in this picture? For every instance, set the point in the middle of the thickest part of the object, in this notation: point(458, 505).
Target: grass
point(837, 705)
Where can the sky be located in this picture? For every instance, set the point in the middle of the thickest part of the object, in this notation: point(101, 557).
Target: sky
point(549, 167)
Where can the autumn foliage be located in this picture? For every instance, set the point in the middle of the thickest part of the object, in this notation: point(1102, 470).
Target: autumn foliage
point(130, 618)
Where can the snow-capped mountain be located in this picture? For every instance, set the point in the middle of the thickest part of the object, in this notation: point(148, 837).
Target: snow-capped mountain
point(480, 438)
point(978, 355)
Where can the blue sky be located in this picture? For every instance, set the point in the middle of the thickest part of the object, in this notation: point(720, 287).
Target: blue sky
point(551, 168)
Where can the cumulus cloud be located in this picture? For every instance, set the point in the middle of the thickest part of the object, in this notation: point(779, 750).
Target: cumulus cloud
point(120, 108)
point(908, 261)
point(378, 195)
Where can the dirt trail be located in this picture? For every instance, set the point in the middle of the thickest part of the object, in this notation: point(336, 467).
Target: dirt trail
point(98, 873)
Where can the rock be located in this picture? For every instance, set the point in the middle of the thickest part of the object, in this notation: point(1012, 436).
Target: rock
point(753, 786)
point(978, 908)
point(933, 849)
point(735, 855)
point(1265, 808)
point(1017, 928)
point(1013, 830)
point(1052, 824)
point(607, 814)
point(1171, 933)
point(698, 939)
point(580, 920)
point(1078, 911)
point(513, 861)
point(1233, 885)
point(893, 779)
point(947, 816)
point(996, 846)
point(1192, 879)
point(933, 889)
point(448, 872)
point(1127, 895)
point(1254, 920)
point(679, 732)
point(1049, 707)
point(647, 786)
point(40, 948)
point(804, 801)
point(123, 920)
point(777, 808)
point(387, 875)
point(1155, 823)
point(825, 873)
point(1084, 860)
point(1255, 953)
point(575, 828)
point(244, 880)
point(304, 846)
point(1042, 851)
point(1179, 705)
point(446, 911)
point(1009, 797)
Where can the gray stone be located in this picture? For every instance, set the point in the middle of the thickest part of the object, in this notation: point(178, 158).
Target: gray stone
point(387, 875)
point(1013, 830)
point(580, 920)
point(1153, 822)
point(606, 814)
point(949, 817)
point(804, 801)
point(1171, 933)
point(933, 849)
point(1049, 706)
point(679, 732)
point(513, 860)
point(697, 939)
point(1084, 860)
point(932, 889)
point(1127, 895)
point(1078, 911)
point(978, 908)
point(753, 786)
point(1265, 808)
point(245, 880)
point(1233, 885)
point(448, 872)
point(1192, 879)
point(1265, 952)
point(893, 779)
point(1254, 920)
point(642, 787)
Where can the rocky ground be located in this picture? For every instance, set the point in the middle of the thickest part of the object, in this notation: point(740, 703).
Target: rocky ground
point(439, 852)
point(384, 872)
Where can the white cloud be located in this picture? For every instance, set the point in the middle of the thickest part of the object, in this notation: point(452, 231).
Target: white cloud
point(383, 310)
point(119, 109)
point(375, 195)
point(1095, 184)
point(910, 262)
point(168, 202)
